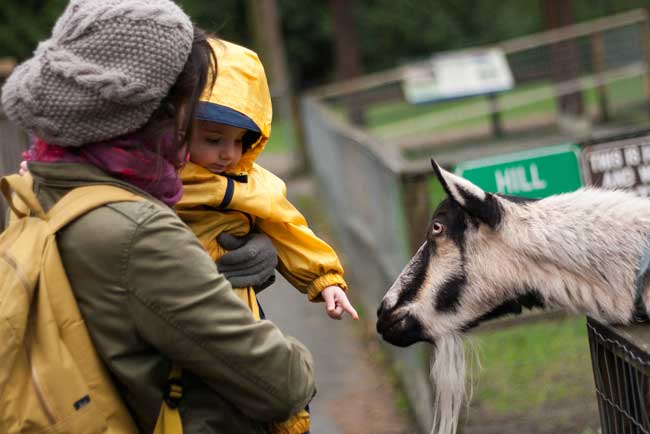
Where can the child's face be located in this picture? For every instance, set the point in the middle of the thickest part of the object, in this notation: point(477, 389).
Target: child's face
point(215, 146)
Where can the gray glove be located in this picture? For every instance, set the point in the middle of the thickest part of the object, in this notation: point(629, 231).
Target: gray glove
point(251, 260)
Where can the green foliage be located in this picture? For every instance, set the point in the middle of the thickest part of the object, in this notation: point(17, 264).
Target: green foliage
point(390, 32)
point(394, 32)
point(524, 367)
point(24, 23)
point(589, 9)
point(280, 140)
point(436, 192)
point(226, 19)
point(308, 39)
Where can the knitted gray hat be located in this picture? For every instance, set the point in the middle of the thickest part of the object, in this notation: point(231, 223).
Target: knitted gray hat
point(102, 73)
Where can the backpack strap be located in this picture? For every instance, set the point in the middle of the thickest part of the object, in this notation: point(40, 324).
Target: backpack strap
point(84, 199)
point(73, 205)
point(22, 187)
point(169, 421)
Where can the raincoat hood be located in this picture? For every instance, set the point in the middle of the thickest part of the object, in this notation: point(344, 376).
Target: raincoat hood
point(240, 97)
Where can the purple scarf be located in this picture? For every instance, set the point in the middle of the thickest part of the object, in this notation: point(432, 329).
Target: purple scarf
point(128, 158)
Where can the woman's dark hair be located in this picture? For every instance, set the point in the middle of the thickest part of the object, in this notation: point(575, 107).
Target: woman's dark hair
point(182, 101)
point(249, 139)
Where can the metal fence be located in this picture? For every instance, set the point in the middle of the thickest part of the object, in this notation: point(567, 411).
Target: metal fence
point(601, 64)
point(13, 141)
point(621, 363)
point(375, 174)
point(620, 355)
point(365, 201)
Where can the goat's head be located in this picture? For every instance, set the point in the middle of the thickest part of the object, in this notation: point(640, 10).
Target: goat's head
point(425, 301)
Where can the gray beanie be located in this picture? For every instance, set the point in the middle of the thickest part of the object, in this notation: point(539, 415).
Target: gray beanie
point(102, 73)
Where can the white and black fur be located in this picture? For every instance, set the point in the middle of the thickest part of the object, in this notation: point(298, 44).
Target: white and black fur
point(488, 255)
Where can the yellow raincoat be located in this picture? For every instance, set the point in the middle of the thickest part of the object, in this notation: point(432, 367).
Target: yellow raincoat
point(252, 197)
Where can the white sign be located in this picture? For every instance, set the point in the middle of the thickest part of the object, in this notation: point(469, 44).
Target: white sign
point(456, 75)
point(619, 164)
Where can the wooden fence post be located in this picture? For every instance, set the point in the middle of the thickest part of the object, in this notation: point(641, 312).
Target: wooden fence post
point(645, 47)
point(417, 204)
point(495, 115)
point(600, 65)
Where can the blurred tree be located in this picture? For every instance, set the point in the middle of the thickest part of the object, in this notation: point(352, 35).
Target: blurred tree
point(390, 32)
point(396, 32)
point(24, 23)
point(308, 36)
point(346, 38)
point(565, 56)
point(270, 43)
point(393, 32)
point(225, 18)
point(347, 53)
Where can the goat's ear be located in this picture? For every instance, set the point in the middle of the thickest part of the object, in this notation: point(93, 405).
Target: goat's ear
point(470, 197)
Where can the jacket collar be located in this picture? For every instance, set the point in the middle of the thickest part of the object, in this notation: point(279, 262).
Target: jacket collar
point(72, 175)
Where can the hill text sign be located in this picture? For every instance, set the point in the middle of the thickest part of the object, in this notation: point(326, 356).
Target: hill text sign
point(534, 173)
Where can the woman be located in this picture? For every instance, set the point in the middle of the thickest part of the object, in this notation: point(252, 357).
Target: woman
point(109, 98)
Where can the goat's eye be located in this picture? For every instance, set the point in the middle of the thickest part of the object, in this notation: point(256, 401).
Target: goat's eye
point(436, 228)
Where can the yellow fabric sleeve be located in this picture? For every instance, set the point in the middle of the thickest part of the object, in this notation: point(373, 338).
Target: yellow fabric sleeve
point(305, 260)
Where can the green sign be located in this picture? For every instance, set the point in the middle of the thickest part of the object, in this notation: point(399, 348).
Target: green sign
point(534, 173)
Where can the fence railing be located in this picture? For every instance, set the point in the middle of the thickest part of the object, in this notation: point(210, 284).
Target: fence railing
point(621, 363)
point(376, 176)
point(13, 141)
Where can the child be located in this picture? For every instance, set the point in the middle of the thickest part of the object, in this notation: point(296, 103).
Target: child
point(225, 191)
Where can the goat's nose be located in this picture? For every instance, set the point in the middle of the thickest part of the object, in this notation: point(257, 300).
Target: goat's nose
point(383, 317)
point(381, 308)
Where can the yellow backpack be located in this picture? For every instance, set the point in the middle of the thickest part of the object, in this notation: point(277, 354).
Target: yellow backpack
point(51, 377)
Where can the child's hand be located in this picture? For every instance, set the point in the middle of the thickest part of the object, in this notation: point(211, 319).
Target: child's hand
point(23, 168)
point(336, 303)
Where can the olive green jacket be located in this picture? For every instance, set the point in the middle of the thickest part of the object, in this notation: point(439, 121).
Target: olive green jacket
point(150, 295)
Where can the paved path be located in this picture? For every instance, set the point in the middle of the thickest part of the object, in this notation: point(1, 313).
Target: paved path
point(355, 395)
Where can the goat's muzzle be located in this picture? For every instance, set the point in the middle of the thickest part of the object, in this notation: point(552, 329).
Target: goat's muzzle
point(398, 327)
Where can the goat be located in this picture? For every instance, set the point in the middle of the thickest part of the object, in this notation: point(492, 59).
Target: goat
point(487, 255)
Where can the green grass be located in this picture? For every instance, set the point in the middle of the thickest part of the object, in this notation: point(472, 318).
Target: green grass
point(436, 192)
point(282, 139)
point(524, 367)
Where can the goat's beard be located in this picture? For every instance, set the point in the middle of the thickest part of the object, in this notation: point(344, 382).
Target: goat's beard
point(448, 374)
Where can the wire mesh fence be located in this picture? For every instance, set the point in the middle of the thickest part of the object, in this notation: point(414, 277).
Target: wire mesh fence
point(375, 174)
point(364, 198)
point(595, 72)
point(535, 377)
point(13, 141)
point(622, 377)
